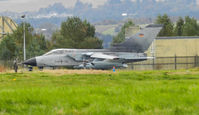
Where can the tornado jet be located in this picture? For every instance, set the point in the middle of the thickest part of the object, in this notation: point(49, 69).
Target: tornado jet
point(118, 56)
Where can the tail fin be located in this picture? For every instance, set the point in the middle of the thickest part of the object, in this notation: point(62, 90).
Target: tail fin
point(141, 41)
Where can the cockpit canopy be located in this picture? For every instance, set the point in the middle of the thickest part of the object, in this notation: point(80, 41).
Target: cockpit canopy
point(65, 51)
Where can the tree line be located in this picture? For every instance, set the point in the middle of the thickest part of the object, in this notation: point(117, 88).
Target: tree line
point(11, 46)
point(186, 26)
point(74, 33)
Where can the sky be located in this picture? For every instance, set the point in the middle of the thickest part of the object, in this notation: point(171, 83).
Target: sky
point(34, 5)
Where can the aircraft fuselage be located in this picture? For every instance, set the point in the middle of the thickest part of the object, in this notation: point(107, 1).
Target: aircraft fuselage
point(78, 58)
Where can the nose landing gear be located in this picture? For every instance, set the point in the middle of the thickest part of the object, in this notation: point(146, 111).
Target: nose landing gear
point(41, 68)
point(30, 68)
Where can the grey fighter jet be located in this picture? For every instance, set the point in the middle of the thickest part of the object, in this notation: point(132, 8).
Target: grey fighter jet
point(131, 50)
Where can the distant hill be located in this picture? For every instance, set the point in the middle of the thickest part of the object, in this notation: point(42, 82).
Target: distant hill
point(111, 10)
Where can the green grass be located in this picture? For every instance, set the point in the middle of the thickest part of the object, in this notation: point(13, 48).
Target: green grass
point(122, 93)
point(110, 31)
point(106, 29)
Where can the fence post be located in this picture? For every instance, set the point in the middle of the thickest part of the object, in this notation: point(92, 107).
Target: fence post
point(153, 64)
point(175, 62)
point(132, 66)
point(196, 60)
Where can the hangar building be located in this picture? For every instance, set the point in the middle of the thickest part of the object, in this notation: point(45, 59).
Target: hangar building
point(180, 52)
point(175, 46)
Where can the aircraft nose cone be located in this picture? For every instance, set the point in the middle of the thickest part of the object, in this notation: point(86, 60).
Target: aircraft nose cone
point(31, 62)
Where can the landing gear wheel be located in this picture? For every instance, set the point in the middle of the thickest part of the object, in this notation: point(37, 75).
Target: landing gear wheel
point(30, 68)
point(41, 68)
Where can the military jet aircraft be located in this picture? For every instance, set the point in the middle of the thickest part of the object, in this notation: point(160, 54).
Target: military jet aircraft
point(119, 55)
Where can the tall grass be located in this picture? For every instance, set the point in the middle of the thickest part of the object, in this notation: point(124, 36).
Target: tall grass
point(121, 93)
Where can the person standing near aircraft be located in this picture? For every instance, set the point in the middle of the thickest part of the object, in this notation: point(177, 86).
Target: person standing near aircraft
point(15, 65)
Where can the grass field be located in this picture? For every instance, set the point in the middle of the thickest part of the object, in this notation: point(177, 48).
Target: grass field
point(106, 29)
point(64, 92)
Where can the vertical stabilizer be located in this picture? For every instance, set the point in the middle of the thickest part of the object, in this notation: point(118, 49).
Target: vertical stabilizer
point(141, 41)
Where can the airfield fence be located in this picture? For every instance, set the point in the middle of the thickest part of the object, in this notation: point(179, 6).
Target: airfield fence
point(167, 63)
point(6, 64)
point(158, 63)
